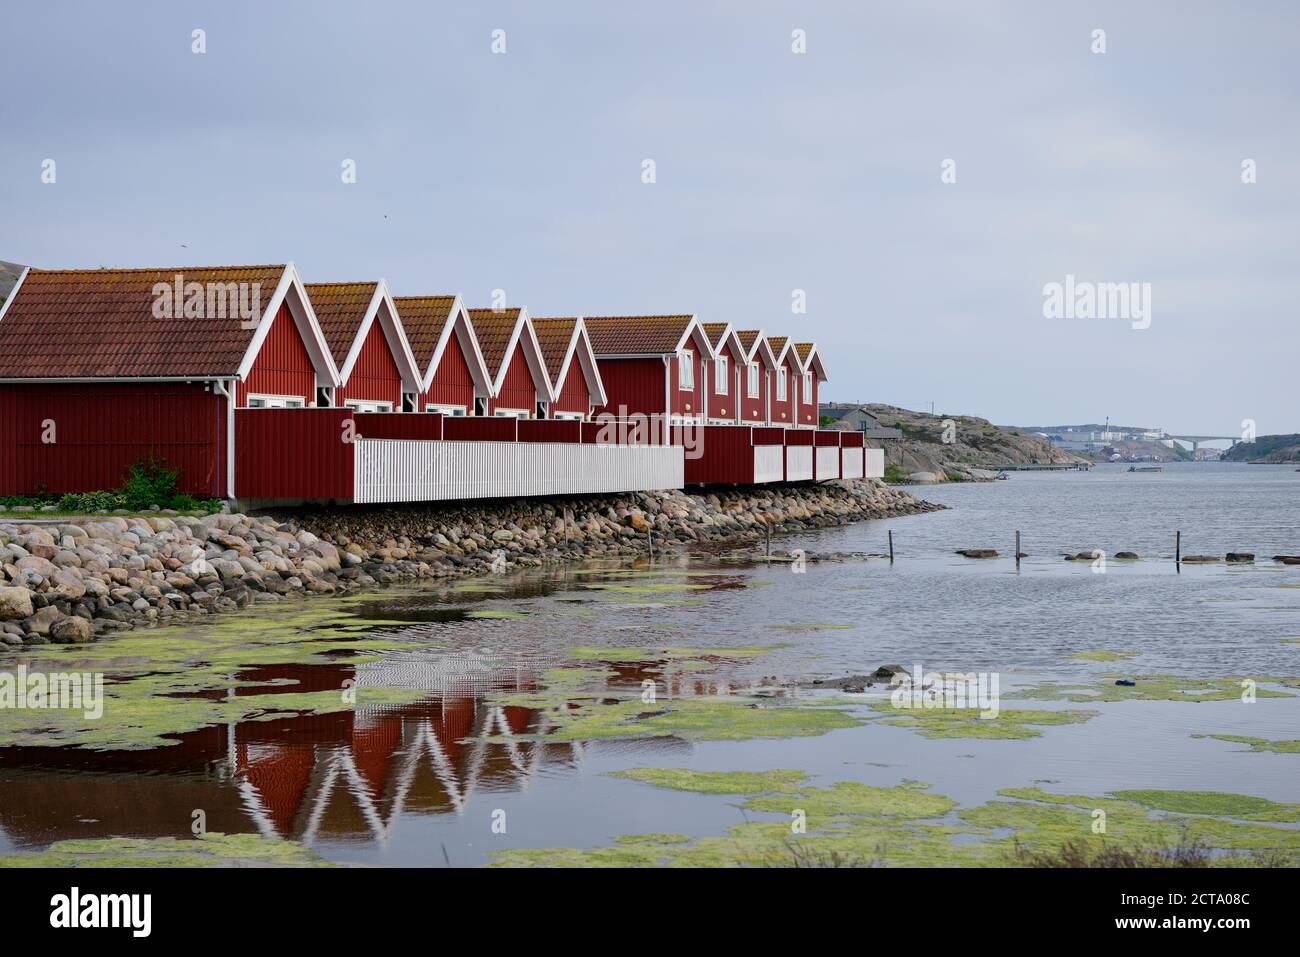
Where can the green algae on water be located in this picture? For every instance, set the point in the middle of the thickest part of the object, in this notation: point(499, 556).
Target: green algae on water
point(1215, 804)
point(1101, 654)
point(207, 850)
point(1153, 688)
point(665, 653)
point(1008, 724)
point(1288, 746)
point(714, 782)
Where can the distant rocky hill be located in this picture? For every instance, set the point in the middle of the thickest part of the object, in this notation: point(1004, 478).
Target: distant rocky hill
point(9, 273)
point(977, 446)
point(1266, 448)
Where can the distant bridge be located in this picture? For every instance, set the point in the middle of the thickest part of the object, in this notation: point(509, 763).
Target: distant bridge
point(1198, 439)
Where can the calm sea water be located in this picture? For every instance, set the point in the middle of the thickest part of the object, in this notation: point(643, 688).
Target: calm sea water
point(415, 785)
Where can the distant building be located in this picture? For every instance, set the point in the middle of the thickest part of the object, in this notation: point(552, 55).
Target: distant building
point(854, 418)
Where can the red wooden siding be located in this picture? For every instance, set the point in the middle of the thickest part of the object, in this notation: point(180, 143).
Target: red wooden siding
point(783, 412)
point(452, 382)
point(851, 440)
point(687, 401)
point(382, 425)
point(754, 409)
point(722, 405)
point(725, 455)
point(574, 394)
point(808, 413)
point(517, 389)
point(102, 428)
point(293, 454)
point(632, 386)
point(479, 429)
point(548, 430)
point(283, 366)
point(374, 376)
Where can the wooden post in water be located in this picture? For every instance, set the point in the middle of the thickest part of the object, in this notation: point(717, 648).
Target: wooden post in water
point(1017, 549)
point(1178, 547)
point(891, 546)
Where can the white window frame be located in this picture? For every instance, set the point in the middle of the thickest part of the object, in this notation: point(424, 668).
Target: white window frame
point(807, 388)
point(781, 390)
point(754, 380)
point(270, 401)
point(722, 375)
point(510, 414)
point(570, 417)
point(686, 371)
point(454, 411)
point(367, 405)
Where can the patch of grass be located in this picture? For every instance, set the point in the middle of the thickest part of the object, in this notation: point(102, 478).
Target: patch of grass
point(1289, 746)
point(1009, 724)
point(208, 850)
point(714, 782)
point(1152, 688)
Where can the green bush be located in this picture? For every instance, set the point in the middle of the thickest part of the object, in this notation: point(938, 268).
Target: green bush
point(149, 483)
point(895, 473)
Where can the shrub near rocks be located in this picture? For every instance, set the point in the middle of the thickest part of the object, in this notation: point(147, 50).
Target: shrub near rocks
point(74, 582)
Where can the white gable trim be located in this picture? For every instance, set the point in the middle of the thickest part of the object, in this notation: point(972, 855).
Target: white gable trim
point(524, 333)
point(381, 307)
point(587, 359)
point(13, 293)
point(694, 329)
point(814, 364)
point(458, 323)
point(290, 290)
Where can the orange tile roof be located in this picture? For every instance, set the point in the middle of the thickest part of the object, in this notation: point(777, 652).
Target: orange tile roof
point(635, 335)
point(804, 349)
point(423, 319)
point(493, 328)
point(777, 344)
point(747, 338)
point(553, 335)
point(100, 323)
point(340, 307)
point(714, 331)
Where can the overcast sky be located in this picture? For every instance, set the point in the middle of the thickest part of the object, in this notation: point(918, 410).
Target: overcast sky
point(775, 171)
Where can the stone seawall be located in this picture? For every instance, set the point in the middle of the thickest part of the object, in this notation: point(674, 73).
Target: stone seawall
point(73, 580)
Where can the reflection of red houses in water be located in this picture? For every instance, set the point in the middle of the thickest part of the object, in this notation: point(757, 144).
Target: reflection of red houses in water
point(348, 774)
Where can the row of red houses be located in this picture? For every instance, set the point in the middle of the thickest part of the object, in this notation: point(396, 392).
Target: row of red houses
point(176, 353)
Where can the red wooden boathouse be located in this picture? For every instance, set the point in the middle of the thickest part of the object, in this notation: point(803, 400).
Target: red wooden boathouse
point(813, 374)
point(454, 378)
point(760, 366)
point(722, 378)
point(102, 368)
point(377, 371)
point(521, 388)
point(784, 381)
point(651, 365)
point(571, 366)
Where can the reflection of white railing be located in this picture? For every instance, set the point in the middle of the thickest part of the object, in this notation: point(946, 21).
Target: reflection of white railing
point(412, 470)
point(798, 463)
point(828, 462)
point(769, 463)
point(875, 459)
point(852, 463)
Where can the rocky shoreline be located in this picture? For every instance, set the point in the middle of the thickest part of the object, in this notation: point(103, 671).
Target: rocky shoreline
point(72, 581)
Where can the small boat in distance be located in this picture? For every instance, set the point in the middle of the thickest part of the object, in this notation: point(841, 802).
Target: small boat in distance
point(1145, 468)
point(1003, 476)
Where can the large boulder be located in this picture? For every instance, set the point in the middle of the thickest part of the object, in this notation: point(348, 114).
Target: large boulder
point(66, 584)
point(15, 604)
point(67, 631)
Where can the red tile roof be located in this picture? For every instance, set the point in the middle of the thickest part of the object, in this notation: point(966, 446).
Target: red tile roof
point(424, 318)
point(100, 323)
point(804, 349)
point(777, 344)
point(493, 328)
point(340, 307)
point(553, 335)
point(636, 335)
point(747, 338)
